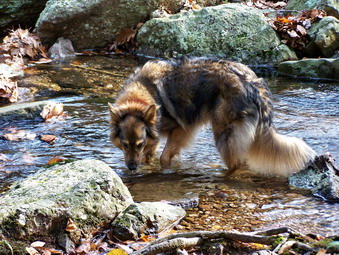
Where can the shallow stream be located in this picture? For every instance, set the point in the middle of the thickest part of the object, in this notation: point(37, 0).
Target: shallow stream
point(309, 110)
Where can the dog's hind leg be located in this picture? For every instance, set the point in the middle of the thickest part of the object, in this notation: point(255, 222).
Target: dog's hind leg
point(177, 139)
point(233, 140)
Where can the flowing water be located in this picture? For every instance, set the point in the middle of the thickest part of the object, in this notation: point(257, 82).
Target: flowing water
point(309, 110)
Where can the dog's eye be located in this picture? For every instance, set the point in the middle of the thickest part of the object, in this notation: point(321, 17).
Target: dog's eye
point(140, 145)
point(124, 145)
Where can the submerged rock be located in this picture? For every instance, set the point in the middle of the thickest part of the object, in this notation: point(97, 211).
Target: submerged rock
point(62, 49)
point(39, 207)
point(312, 68)
point(321, 178)
point(233, 31)
point(145, 218)
point(27, 110)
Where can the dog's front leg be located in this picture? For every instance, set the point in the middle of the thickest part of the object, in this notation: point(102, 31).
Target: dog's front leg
point(149, 151)
point(176, 140)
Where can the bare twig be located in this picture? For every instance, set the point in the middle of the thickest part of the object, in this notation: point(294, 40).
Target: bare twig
point(98, 71)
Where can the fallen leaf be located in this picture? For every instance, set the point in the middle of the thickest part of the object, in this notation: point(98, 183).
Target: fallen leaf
point(54, 160)
point(37, 244)
point(48, 138)
point(83, 248)
point(71, 227)
point(117, 252)
point(32, 251)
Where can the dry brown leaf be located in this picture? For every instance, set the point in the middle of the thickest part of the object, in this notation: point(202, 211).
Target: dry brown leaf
point(124, 35)
point(83, 248)
point(71, 227)
point(48, 138)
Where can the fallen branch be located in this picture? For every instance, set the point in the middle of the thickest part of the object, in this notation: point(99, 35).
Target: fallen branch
point(190, 239)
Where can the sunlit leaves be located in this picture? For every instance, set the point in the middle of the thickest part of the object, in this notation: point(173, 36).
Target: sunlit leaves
point(15, 49)
point(293, 29)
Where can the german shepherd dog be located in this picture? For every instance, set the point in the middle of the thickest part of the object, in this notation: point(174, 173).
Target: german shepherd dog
point(174, 98)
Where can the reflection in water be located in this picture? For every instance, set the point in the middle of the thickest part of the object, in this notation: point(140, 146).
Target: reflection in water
point(306, 110)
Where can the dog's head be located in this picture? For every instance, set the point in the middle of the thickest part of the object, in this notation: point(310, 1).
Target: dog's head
point(132, 129)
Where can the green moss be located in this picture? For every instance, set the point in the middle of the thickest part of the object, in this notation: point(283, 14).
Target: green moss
point(278, 240)
point(323, 243)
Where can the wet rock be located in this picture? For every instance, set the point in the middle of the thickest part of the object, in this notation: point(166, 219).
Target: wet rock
point(330, 6)
point(19, 12)
point(324, 38)
point(94, 23)
point(145, 218)
point(27, 110)
point(312, 68)
point(233, 31)
point(321, 178)
point(71, 79)
point(62, 49)
point(39, 207)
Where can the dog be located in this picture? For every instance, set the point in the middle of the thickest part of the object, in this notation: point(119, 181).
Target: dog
point(173, 98)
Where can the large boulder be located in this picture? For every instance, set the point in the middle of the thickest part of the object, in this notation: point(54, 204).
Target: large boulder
point(146, 218)
point(39, 207)
point(94, 23)
point(324, 37)
point(312, 68)
point(19, 12)
point(330, 6)
point(233, 31)
point(321, 178)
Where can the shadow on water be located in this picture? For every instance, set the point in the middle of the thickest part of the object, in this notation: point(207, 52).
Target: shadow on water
point(309, 110)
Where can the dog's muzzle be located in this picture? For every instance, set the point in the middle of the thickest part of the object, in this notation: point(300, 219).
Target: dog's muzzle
point(132, 165)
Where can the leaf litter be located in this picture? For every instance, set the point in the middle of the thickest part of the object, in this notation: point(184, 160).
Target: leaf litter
point(16, 48)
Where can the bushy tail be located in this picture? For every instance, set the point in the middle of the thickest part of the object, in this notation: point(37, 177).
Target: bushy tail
point(272, 153)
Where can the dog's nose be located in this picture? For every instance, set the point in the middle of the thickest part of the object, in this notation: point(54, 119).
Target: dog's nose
point(132, 165)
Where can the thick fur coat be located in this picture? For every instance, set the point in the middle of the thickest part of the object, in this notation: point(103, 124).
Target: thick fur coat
point(174, 98)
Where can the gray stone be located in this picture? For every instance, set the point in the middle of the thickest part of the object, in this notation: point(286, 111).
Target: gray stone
point(62, 49)
point(39, 207)
point(19, 12)
point(234, 31)
point(145, 218)
point(94, 23)
point(312, 68)
point(321, 178)
point(324, 37)
point(330, 6)
point(27, 110)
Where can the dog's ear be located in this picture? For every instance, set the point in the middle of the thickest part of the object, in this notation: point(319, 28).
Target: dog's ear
point(150, 113)
point(114, 112)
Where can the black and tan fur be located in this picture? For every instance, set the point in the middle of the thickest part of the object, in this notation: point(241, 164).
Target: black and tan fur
point(174, 98)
